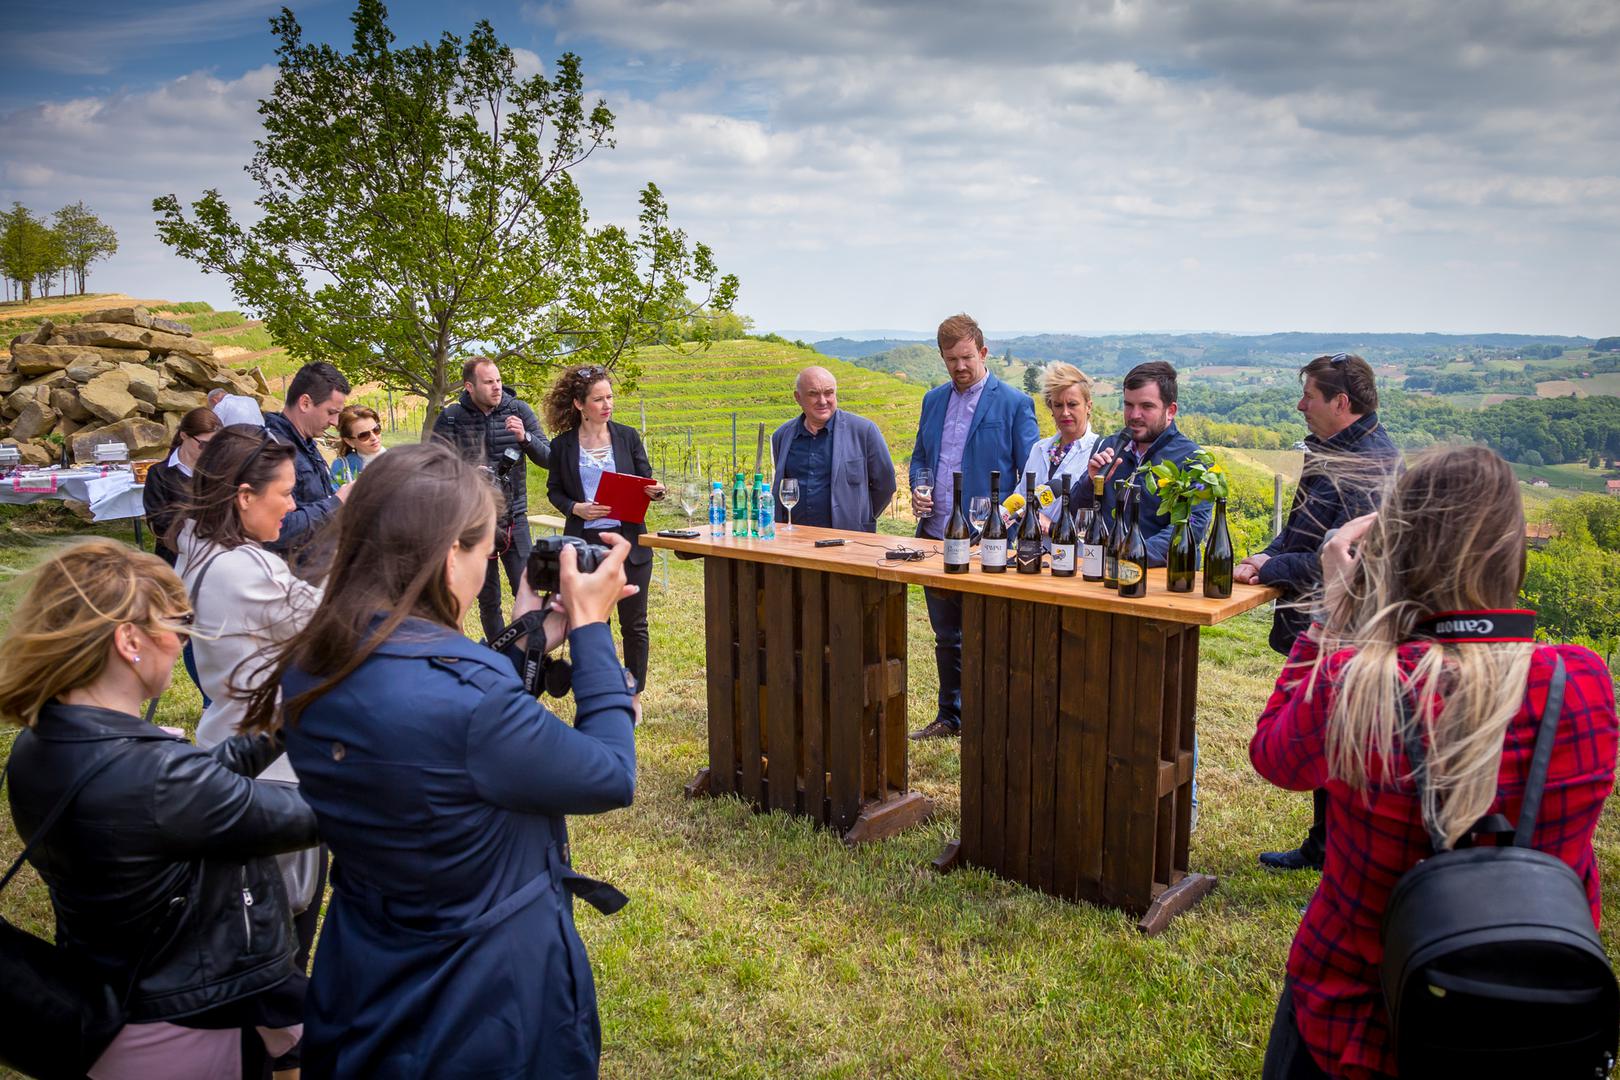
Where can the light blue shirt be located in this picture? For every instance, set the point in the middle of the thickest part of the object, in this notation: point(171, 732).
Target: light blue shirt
point(590, 478)
point(953, 442)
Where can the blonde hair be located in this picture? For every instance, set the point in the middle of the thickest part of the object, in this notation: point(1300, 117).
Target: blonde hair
point(59, 636)
point(1058, 378)
point(1449, 537)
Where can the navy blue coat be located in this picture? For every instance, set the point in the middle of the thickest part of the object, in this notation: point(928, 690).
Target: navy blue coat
point(999, 436)
point(313, 490)
point(449, 947)
point(1171, 445)
point(1342, 479)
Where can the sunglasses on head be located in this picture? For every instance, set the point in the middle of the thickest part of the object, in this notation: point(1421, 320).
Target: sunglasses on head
point(1338, 358)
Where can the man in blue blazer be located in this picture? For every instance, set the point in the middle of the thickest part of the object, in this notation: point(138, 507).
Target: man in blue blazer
point(840, 460)
point(975, 424)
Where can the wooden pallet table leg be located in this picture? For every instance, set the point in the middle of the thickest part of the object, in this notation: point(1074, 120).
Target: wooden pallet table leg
point(1173, 901)
point(879, 820)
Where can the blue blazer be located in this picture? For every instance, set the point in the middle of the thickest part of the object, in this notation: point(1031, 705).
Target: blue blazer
point(449, 947)
point(999, 437)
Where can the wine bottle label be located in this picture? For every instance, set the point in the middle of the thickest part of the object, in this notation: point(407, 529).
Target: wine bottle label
point(993, 552)
point(1062, 557)
point(1130, 573)
point(956, 552)
point(1092, 560)
point(1029, 553)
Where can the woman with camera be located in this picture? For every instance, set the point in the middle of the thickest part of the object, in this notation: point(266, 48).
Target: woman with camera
point(159, 867)
point(449, 946)
point(587, 443)
point(1418, 618)
point(247, 601)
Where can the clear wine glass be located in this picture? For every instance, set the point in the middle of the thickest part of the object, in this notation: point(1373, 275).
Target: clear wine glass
point(979, 511)
point(788, 492)
point(924, 487)
point(691, 499)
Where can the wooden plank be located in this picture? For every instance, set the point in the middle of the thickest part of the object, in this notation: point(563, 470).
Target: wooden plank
point(1094, 727)
point(748, 683)
point(1067, 801)
point(872, 759)
point(894, 733)
point(1164, 823)
point(1143, 764)
point(1043, 749)
point(812, 589)
point(844, 636)
point(992, 852)
point(1019, 699)
point(1121, 698)
point(972, 724)
point(1186, 892)
point(856, 559)
point(719, 602)
point(881, 820)
point(1189, 736)
point(781, 689)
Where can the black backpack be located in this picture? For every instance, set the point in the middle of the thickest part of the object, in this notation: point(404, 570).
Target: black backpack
point(1491, 964)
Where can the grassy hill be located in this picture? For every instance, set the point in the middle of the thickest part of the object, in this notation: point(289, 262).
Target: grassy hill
point(695, 394)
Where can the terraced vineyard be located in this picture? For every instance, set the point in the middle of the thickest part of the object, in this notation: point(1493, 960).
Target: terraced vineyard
point(696, 393)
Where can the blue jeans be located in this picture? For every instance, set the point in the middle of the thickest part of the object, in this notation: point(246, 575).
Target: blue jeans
point(945, 615)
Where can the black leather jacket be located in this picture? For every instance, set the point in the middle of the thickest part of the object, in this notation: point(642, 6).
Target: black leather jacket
point(481, 439)
point(163, 861)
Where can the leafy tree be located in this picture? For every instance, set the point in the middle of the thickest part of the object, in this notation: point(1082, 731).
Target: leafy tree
point(1032, 379)
point(54, 259)
point(1533, 457)
point(418, 204)
point(26, 248)
point(85, 239)
point(1592, 462)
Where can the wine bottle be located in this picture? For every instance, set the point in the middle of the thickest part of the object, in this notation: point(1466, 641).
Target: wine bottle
point(1065, 541)
point(993, 543)
point(1218, 556)
point(1133, 554)
point(1116, 533)
point(1094, 535)
point(958, 537)
point(1029, 530)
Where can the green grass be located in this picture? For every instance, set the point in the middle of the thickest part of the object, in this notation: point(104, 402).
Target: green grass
point(757, 946)
point(1572, 474)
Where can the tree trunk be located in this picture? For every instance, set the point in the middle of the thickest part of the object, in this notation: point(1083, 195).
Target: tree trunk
point(441, 389)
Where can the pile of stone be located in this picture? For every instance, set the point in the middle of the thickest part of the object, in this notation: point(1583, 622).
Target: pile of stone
point(120, 375)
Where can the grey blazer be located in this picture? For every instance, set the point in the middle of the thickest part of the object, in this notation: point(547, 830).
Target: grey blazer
point(862, 472)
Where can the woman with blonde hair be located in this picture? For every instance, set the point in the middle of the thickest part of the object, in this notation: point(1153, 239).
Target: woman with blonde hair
point(159, 868)
point(1067, 393)
point(359, 442)
point(1418, 616)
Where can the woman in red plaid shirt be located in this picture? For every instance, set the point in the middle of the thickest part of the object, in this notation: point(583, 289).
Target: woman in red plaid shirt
point(1424, 607)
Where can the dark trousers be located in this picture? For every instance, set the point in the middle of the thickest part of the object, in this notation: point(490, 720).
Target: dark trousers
point(945, 615)
point(633, 615)
point(514, 559)
point(1287, 1056)
point(1315, 843)
point(190, 659)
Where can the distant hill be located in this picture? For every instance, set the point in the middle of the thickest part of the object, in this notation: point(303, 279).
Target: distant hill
point(848, 349)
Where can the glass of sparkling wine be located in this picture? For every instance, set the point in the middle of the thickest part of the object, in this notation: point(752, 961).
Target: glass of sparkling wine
point(788, 492)
point(924, 487)
point(691, 498)
point(978, 511)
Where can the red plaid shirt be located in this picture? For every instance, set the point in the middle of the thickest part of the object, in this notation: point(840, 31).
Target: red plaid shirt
point(1374, 837)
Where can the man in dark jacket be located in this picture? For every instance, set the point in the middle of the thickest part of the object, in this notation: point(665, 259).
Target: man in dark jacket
point(1149, 437)
point(491, 428)
point(314, 398)
point(1349, 459)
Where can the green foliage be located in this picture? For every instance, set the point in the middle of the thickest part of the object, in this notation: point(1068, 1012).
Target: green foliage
point(1032, 377)
point(1201, 481)
point(189, 307)
point(29, 249)
point(416, 204)
point(85, 239)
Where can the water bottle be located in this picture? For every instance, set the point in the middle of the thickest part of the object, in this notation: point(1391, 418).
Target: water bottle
point(739, 508)
point(717, 512)
point(767, 513)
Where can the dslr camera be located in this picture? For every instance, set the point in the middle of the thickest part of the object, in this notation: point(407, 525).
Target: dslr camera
point(545, 561)
point(501, 472)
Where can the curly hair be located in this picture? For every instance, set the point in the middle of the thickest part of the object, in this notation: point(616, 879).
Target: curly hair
point(572, 387)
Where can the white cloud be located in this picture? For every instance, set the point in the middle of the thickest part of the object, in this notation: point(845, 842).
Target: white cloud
point(94, 46)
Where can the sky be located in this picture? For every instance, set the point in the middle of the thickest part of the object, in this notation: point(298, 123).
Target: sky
point(1085, 166)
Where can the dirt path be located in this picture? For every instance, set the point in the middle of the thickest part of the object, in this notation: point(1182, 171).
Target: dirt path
point(76, 305)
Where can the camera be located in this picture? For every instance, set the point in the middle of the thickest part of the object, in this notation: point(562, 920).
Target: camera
point(501, 471)
point(545, 561)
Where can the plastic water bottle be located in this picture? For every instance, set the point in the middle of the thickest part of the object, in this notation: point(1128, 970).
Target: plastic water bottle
point(717, 512)
point(767, 513)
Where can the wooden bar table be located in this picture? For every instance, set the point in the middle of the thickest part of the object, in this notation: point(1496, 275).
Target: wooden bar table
point(806, 652)
point(1077, 709)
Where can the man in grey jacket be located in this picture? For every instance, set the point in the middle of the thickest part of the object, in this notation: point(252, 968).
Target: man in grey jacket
point(840, 460)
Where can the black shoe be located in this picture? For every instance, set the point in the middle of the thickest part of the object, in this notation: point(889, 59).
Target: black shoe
point(939, 729)
point(1297, 859)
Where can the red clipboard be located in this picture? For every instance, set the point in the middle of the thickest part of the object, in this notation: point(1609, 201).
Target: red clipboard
point(625, 496)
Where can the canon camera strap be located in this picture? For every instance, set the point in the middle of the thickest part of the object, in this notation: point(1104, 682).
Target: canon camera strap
point(1484, 627)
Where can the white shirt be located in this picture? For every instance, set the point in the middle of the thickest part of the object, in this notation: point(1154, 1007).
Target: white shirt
point(248, 602)
point(1073, 466)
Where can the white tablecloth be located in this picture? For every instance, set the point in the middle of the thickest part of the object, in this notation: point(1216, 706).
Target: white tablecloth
point(112, 497)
